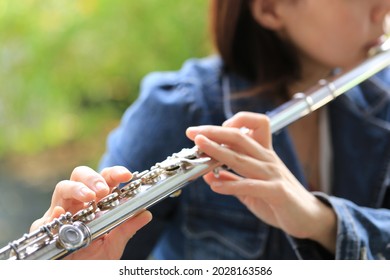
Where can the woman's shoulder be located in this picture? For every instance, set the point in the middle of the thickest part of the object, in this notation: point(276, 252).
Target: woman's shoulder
point(198, 71)
point(196, 83)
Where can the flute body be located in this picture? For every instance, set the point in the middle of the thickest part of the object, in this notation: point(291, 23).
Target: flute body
point(69, 233)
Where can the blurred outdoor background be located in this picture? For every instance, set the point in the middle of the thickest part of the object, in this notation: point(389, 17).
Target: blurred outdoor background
point(68, 70)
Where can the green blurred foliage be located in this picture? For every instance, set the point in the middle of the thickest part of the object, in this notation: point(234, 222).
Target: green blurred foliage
point(69, 67)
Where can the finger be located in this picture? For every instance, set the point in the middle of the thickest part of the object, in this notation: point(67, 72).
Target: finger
point(37, 223)
point(231, 137)
point(130, 227)
point(67, 189)
point(259, 124)
point(48, 217)
point(266, 190)
point(245, 165)
point(91, 179)
point(115, 175)
point(121, 235)
point(219, 134)
point(57, 212)
point(223, 175)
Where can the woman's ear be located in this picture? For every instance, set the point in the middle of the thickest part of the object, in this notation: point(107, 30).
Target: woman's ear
point(265, 12)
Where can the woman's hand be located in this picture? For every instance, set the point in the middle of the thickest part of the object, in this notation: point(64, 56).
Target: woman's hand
point(264, 184)
point(84, 186)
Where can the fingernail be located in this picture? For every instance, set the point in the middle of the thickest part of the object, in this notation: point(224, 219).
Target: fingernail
point(122, 170)
point(100, 186)
point(226, 123)
point(194, 129)
point(85, 191)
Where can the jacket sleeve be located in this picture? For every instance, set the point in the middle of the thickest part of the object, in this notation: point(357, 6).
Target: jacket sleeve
point(362, 233)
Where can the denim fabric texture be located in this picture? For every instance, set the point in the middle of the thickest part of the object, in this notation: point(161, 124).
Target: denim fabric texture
point(201, 224)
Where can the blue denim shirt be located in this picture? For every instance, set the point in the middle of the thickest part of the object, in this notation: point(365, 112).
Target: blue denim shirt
point(201, 224)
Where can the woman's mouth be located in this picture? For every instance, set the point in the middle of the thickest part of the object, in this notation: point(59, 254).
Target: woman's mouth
point(378, 44)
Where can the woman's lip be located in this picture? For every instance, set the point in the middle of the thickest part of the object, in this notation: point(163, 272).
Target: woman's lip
point(375, 43)
point(379, 40)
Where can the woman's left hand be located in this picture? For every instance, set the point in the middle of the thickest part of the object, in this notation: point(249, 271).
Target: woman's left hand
point(86, 185)
point(264, 184)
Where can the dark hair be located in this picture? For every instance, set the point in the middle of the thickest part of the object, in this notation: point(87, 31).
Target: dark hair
point(250, 50)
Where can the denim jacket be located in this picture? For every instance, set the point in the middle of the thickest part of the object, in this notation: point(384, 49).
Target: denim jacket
point(201, 224)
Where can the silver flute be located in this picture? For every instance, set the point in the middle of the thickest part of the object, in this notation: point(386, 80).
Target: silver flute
point(69, 233)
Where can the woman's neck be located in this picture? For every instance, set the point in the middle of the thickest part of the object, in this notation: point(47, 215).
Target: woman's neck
point(311, 73)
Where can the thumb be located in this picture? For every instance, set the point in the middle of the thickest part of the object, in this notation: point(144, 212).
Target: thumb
point(121, 235)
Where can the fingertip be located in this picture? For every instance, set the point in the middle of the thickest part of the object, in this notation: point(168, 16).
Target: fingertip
point(85, 194)
point(212, 181)
point(208, 177)
point(201, 141)
point(101, 189)
point(227, 123)
point(134, 224)
point(57, 212)
point(115, 175)
point(148, 216)
point(122, 173)
point(192, 132)
point(217, 187)
point(143, 218)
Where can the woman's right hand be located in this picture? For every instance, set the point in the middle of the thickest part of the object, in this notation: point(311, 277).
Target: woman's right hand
point(261, 181)
point(86, 185)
